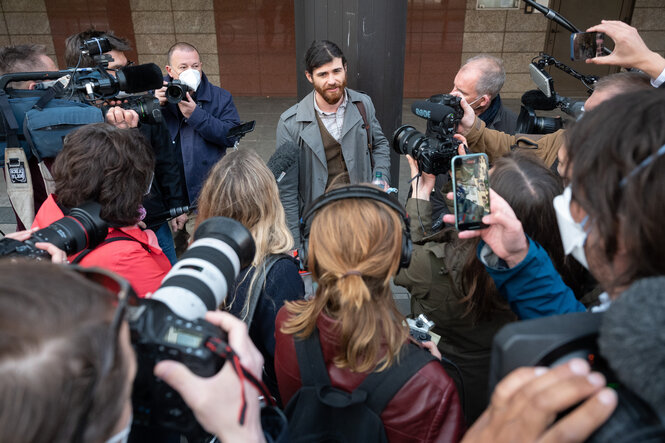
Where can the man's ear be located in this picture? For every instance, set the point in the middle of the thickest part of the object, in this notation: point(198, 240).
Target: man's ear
point(169, 71)
point(309, 77)
point(485, 101)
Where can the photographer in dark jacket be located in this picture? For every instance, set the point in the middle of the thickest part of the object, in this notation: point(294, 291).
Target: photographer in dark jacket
point(166, 190)
point(448, 283)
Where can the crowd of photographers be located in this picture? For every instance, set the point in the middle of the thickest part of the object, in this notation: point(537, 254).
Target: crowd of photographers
point(84, 352)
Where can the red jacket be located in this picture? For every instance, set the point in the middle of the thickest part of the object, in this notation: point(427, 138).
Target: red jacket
point(130, 259)
point(426, 409)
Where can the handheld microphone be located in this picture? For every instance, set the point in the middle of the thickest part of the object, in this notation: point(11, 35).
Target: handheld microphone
point(153, 220)
point(140, 78)
point(284, 158)
point(431, 111)
point(535, 99)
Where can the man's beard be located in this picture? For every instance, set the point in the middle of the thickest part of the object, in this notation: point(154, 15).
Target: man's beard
point(332, 97)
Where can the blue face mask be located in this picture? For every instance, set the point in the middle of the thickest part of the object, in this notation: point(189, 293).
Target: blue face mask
point(573, 234)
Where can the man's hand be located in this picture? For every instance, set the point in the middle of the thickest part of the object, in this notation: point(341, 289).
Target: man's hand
point(57, 255)
point(526, 402)
point(504, 233)
point(216, 401)
point(421, 188)
point(122, 118)
point(179, 222)
point(630, 51)
point(188, 106)
point(469, 117)
point(160, 94)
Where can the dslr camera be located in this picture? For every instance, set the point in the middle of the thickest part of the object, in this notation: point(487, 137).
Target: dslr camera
point(170, 324)
point(176, 91)
point(81, 229)
point(434, 151)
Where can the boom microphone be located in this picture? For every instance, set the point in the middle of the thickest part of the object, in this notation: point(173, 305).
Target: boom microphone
point(431, 111)
point(284, 158)
point(535, 99)
point(140, 78)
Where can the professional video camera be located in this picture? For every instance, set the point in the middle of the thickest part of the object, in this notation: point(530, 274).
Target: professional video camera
point(169, 325)
point(83, 228)
point(552, 341)
point(546, 99)
point(434, 151)
point(96, 85)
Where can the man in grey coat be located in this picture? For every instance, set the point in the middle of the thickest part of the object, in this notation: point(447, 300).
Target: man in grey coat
point(335, 128)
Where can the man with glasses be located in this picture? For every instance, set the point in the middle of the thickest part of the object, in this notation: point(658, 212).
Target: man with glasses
point(166, 191)
point(67, 365)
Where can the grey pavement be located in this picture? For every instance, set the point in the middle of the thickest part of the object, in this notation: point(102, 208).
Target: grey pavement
point(266, 112)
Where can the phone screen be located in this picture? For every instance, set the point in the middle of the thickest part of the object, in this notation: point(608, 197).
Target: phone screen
point(241, 129)
point(584, 45)
point(472, 190)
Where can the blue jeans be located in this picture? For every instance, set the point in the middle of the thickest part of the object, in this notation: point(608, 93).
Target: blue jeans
point(165, 240)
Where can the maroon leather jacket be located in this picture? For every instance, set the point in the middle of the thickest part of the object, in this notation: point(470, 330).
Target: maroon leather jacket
point(426, 409)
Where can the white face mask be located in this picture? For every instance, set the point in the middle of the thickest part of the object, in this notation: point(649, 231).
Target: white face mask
point(123, 435)
point(573, 234)
point(191, 77)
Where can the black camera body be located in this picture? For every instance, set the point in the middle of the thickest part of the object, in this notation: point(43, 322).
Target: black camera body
point(145, 105)
point(82, 228)
point(434, 151)
point(159, 334)
point(170, 324)
point(176, 91)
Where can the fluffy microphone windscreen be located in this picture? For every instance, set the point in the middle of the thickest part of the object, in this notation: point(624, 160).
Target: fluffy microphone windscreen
point(535, 99)
point(140, 78)
point(632, 340)
point(285, 157)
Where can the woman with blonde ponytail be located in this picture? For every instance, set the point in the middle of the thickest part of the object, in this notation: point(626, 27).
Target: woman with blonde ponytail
point(354, 250)
point(240, 186)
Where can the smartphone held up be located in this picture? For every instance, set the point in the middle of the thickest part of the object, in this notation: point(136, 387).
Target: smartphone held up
point(585, 45)
point(470, 174)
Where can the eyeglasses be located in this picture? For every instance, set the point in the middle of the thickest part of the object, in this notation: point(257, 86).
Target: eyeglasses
point(124, 297)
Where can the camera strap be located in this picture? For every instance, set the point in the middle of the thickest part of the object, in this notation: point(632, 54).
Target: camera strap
point(363, 113)
point(222, 349)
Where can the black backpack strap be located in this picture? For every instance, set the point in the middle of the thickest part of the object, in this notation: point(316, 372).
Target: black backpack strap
point(312, 366)
point(11, 125)
point(363, 113)
point(259, 285)
point(382, 386)
point(85, 252)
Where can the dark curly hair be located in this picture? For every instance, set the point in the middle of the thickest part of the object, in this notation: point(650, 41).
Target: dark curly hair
point(616, 175)
point(108, 165)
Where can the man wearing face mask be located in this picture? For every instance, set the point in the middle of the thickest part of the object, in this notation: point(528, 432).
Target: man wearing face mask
point(479, 80)
point(496, 143)
point(198, 124)
point(609, 214)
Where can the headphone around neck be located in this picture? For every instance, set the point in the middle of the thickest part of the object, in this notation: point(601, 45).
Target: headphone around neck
point(357, 191)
